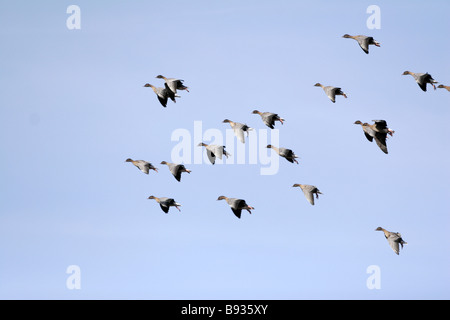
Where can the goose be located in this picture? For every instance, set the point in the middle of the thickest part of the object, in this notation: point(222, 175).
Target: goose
point(269, 118)
point(163, 94)
point(444, 87)
point(142, 165)
point(174, 84)
point(377, 131)
point(213, 151)
point(363, 41)
point(309, 191)
point(288, 154)
point(422, 79)
point(166, 203)
point(332, 92)
point(176, 169)
point(394, 239)
point(239, 129)
point(237, 205)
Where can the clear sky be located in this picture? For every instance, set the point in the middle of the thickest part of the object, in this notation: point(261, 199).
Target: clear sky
point(73, 108)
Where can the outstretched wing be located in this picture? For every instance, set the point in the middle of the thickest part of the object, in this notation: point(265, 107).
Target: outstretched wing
point(309, 195)
point(237, 212)
point(164, 208)
point(380, 139)
point(269, 120)
point(211, 156)
point(239, 133)
point(393, 242)
point(364, 43)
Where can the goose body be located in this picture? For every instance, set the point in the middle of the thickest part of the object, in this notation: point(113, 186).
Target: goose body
point(394, 239)
point(269, 118)
point(288, 154)
point(378, 131)
point(165, 203)
point(239, 129)
point(363, 41)
point(237, 205)
point(213, 151)
point(142, 165)
point(176, 169)
point(163, 94)
point(174, 84)
point(332, 92)
point(422, 79)
point(309, 191)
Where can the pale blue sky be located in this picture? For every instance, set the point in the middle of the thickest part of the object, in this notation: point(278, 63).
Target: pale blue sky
point(72, 109)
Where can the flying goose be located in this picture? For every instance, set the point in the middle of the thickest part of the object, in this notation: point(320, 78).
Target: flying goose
point(363, 41)
point(163, 94)
point(166, 203)
point(331, 92)
point(309, 191)
point(174, 84)
point(142, 165)
point(422, 79)
point(377, 131)
point(239, 129)
point(237, 205)
point(288, 154)
point(213, 151)
point(269, 118)
point(176, 169)
point(394, 239)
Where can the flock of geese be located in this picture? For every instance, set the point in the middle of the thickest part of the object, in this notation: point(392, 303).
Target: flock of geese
point(377, 131)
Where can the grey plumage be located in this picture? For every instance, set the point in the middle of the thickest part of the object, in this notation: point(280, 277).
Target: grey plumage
point(269, 118)
point(239, 129)
point(378, 131)
point(163, 94)
point(331, 91)
point(363, 41)
point(142, 165)
point(173, 84)
point(309, 191)
point(422, 79)
point(288, 154)
point(237, 205)
point(176, 169)
point(165, 203)
point(394, 239)
point(214, 151)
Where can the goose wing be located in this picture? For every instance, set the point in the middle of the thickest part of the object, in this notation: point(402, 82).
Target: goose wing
point(380, 139)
